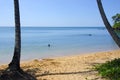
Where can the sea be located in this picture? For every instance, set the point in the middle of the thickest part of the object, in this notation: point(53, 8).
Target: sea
point(49, 42)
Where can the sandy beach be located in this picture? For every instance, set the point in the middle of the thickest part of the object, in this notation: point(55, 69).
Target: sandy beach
point(77, 67)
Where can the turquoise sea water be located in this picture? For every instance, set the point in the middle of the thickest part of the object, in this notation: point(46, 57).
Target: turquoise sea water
point(63, 40)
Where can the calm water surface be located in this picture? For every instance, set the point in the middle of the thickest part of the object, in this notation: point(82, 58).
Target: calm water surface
point(63, 40)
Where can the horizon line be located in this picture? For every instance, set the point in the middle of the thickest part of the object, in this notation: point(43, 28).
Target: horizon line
point(54, 26)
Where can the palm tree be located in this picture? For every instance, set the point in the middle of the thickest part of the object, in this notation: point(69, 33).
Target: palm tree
point(107, 24)
point(15, 63)
point(14, 72)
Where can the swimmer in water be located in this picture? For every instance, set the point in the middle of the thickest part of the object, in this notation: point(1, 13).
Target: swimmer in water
point(48, 45)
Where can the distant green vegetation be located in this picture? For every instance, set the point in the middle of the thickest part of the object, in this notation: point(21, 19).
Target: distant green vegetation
point(109, 70)
point(116, 20)
point(116, 26)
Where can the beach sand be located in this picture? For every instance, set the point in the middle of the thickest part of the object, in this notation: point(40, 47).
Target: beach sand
point(77, 67)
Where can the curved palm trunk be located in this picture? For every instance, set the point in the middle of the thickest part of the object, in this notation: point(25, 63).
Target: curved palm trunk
point(15, 63)
point(107, 24)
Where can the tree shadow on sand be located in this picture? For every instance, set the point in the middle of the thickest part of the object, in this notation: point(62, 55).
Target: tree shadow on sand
point(15, 75)
point(87, 73)
point(92, 72)
point(68, 73)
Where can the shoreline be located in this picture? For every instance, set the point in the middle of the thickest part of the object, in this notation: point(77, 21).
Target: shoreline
point(25, 59)
point(74, 67)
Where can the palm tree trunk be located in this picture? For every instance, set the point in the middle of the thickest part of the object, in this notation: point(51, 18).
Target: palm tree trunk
point(107, 24)
point(14, 72)
point(15, 63)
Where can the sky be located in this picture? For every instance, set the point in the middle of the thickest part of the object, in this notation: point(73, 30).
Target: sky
point(61, 13)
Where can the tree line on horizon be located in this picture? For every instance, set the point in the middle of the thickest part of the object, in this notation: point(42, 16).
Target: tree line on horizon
point(14, 71)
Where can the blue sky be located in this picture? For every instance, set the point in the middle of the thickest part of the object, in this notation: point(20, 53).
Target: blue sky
point(57, 12)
